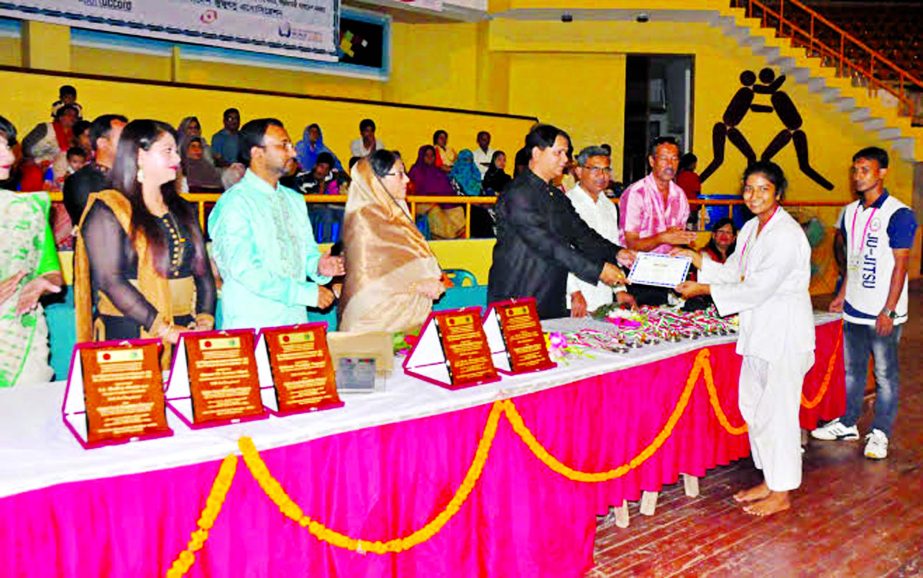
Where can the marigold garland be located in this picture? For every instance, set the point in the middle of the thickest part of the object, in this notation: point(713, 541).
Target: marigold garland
point(213, 505)
point(716, 405)
point(701, 363)
point(291, 510)
point(828, 375)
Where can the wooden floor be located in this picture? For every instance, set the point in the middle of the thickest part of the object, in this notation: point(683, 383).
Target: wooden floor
point(851, 516)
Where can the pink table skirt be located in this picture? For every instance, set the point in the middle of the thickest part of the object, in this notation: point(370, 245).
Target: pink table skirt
point(520, 519)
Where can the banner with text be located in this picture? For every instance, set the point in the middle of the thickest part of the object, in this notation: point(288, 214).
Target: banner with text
point(300, 28)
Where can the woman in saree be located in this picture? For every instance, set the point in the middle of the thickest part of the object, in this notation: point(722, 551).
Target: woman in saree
point(445, 221)
point(141, 269)
point(392, 276)
point(29, 269)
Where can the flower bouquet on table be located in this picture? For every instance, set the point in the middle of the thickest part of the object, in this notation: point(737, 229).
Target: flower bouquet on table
point(565, 345)
point(403, 342)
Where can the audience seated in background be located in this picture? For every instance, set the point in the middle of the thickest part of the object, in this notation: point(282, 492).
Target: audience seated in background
point(496, 179)
point(367, 143)
point(29, 268)
point(483, 153)
point(200, 175)
point(723, 241)
point(311, 146)
point(45, 147)
point(467, 181)
point(141, 257)
point(82, 138)
point(104, 136)
point(226, 142)
point(686, 178)
point(445, 155)
point(76, 159)
point(392, 276)
point(67, 95)
point(321, 179)
point(188, 128)
point(445, 221)
point(465, 175)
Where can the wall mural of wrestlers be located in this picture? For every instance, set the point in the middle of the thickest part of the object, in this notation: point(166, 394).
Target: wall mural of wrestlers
point(781, 103)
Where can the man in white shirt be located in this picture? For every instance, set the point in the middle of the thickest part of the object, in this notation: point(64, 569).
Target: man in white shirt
point(593, 171)
point(483, 153)
point(367, 143)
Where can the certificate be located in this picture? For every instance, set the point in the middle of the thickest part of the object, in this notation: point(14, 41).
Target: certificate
point(659, 270)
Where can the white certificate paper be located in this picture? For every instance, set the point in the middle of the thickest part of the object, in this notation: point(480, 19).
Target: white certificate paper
point(659, 270)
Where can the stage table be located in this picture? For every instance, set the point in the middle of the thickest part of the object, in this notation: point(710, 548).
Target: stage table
point(503, 479)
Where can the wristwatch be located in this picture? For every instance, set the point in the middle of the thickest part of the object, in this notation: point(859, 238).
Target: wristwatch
point(892, 314)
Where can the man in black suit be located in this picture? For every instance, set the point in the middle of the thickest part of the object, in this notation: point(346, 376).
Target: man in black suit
point(540, 237)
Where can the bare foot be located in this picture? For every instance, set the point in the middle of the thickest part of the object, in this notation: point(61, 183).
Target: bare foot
point(753, 494)
point(774, 503)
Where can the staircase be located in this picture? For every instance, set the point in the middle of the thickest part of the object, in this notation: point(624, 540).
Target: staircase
point(875, 111)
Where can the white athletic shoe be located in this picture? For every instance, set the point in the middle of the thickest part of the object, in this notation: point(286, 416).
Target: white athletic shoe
point(835, 431)
point(876, 445)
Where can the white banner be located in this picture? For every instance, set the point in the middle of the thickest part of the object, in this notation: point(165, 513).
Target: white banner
point(300, 28)
point(427, 4)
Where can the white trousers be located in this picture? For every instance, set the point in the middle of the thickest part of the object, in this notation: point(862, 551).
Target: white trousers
point(769, 401)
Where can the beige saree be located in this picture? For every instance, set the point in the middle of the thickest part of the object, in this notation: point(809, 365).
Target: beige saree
point(386, 258)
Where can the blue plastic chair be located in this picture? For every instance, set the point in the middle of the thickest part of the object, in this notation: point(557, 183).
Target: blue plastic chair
point(423, 227)
point(461, 278)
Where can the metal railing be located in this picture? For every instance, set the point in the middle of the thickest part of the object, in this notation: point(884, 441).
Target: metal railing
point(805, 27)
point(202, 200)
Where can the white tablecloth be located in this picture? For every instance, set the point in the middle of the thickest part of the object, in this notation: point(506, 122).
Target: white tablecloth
point(37, 450)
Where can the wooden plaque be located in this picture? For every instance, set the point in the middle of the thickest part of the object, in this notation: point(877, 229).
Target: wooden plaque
point(465, 346)
point(122, 391)
point(523, 336)
point(302, 370)
point(223, 380)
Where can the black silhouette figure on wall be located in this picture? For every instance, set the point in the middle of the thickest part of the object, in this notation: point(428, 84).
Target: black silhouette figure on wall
point(785, 109)
point(788, 114)
point(740, 105)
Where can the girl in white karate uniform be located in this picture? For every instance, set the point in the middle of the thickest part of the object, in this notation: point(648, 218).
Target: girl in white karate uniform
point(766, 281)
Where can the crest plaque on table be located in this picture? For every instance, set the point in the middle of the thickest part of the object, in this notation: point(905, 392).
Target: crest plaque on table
point(452, 350)
point(515, 335)
point(115, 393)
point(214, 379)
point(296, 372)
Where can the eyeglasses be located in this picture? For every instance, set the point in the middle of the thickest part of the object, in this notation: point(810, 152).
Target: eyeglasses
point(667, 159)
point(598, 170)
point(288, 145)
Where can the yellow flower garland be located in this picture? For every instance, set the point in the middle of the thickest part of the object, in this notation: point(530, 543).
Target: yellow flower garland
point(828, 375)
point(213, 505)
point(291, 510)
point(274, 490)
point(701, 363)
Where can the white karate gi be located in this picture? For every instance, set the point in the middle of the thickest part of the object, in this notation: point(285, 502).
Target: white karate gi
point(776, 337)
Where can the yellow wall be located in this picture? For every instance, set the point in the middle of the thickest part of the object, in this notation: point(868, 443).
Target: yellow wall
point(92, 60)
point(434, 64)
point(399, 127)
point(10, 51)
point(579, 92)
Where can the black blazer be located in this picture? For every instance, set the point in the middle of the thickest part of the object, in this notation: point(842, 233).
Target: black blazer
point(540, 239)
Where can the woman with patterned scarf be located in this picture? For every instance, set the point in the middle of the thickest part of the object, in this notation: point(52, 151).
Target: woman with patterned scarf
point(29, 268)
point(141, 269)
